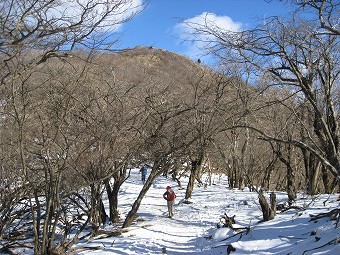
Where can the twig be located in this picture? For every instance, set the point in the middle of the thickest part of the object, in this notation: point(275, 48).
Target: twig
point(292, 207)
point(6, 249)
point(225, 239)
point(291, 237)
point(86, 248)
point(335, 211)
point(243, 228)
point(333, 241)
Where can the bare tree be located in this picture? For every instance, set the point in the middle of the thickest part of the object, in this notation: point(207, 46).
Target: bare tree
point(43, 112)
point(66, 131)
point(298, 55)
point(54, 28)
point(326, 13)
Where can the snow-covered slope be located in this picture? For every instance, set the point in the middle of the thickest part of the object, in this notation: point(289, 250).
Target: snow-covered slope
point(193, 229)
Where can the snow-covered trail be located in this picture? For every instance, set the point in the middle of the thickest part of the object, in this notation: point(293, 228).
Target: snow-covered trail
point(187, 232)
point(183, 233)
point(153, 232)
point(193, 230)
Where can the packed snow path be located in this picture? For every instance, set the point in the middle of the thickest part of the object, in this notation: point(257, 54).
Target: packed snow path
point(193, 230)
point(153, 233)
point(186, 232)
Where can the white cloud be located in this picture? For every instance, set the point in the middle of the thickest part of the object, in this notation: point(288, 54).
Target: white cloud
point(193, 31)
point(212, 20)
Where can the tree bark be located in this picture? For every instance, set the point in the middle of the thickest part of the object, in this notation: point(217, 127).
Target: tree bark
point(113, 202)
point(329, 182)
point(97, 212)
point(195, 169)
point(192, 178)
point(155, 172)
point(112, 193)
point(290, 185)
point(268, 171)
point(312, 169)
point(268, 211)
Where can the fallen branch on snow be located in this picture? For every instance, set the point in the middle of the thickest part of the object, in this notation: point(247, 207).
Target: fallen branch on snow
point(292, 237)
point(85, 248)
point(227, 222)
point(333, 214)
point(106, 234)
point(225, 239)
point(333, 241)
point(283, 208)
point(6, 249)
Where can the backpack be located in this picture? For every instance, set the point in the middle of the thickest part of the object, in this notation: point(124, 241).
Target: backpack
point(171, 196)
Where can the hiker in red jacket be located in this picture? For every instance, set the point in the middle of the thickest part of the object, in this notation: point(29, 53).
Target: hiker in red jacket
point(169, 196)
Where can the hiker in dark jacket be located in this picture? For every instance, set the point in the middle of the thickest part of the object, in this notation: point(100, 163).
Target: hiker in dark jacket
point(169, 196)
point(143, 172)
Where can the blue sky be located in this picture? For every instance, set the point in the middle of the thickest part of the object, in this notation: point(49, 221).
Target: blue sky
point(159, 25)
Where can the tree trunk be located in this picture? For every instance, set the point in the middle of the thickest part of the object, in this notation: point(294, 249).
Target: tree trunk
point(235, 171)
point(195, 169)
point(329, 182)
point(97, 212)
point(155, 172)
point(36, 221)
point(192, 178)
point(290, 177)
point(245, 167)
point(312, 169)
point(112, 193)
point(290, 184)
point(269, 169)
point(315, 178)
point(113, 202)
point(268, 211)
point(231, 177)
